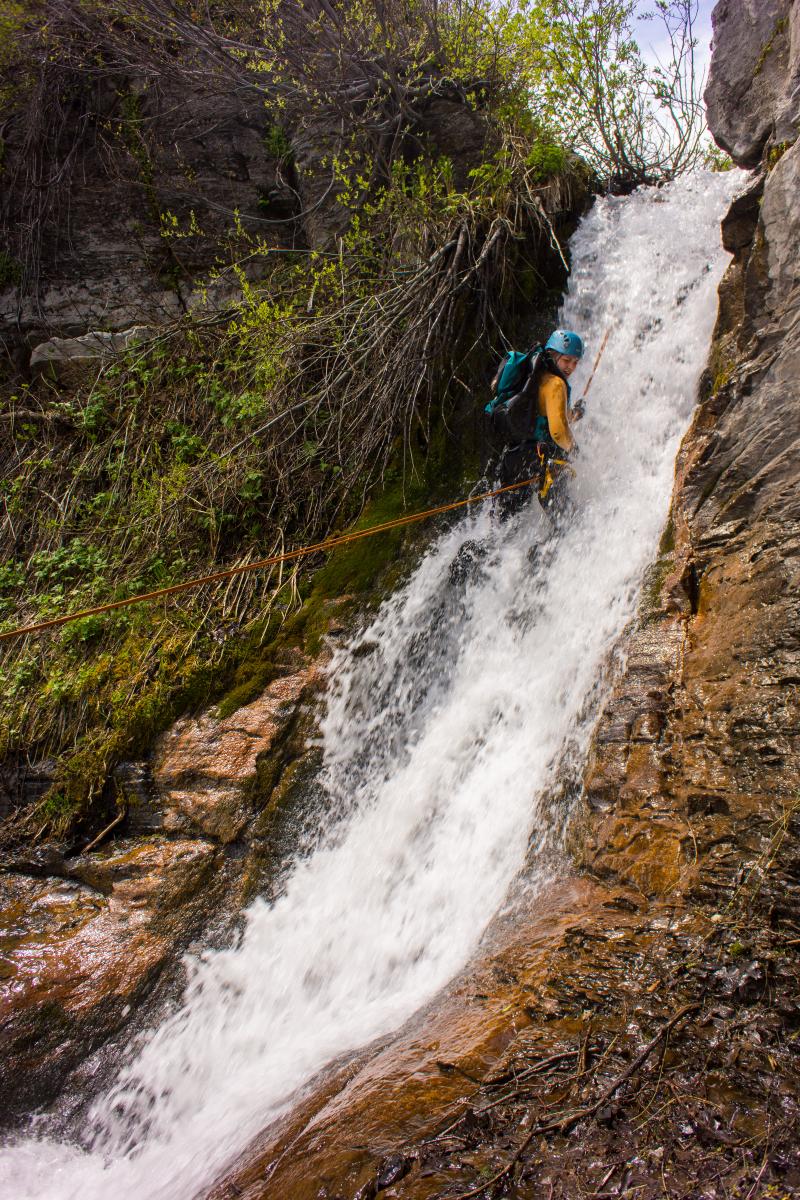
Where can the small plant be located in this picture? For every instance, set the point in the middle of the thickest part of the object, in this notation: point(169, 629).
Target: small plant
point(94, 416)
point(277, 144)
point(65, 565)
point(187, 446)
point(545, 160)
point(10, 270)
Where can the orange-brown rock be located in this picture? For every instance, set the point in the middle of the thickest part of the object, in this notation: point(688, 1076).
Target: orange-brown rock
point(86, 938)
point(75, 956)
point(202, 765)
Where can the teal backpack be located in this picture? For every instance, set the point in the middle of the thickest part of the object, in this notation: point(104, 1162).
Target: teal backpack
point(512, 412)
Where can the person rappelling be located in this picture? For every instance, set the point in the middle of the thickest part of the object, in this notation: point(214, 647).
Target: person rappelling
point(531, 417)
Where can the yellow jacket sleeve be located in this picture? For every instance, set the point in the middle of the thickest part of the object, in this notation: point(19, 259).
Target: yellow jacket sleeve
point(553, 405)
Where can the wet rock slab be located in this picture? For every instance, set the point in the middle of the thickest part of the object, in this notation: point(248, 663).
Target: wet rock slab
point(77, 953)
point(202, 765)
point(86, 938)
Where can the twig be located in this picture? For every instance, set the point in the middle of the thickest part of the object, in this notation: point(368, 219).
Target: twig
point(537, 1068)
point(564, 1124)
point(584, 1052)
point(752, 1191)
point(103, 832)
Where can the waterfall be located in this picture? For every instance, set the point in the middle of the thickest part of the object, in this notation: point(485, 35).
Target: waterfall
point(448, 722)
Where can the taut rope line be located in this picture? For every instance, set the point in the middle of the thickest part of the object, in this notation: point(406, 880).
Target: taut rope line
point(329, 543)
point(596, 364)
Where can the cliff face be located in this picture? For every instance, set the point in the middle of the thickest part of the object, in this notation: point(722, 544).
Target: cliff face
point(169, 185)
point(701, 739)
point(752, 98)
point(113, 258)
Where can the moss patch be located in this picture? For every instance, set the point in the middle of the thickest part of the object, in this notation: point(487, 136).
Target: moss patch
point(657, 572)
point(780, 27)
point(776, 153)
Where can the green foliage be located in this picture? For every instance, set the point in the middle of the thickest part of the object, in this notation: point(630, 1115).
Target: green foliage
point(172, 228)
point(65, 564)
point(187, 446)
point(546, 160)
point(13, 16)
point(776, 153)
point(277, 144)
point(589, 85)
point(12, 576)
point(131, 131)
point(717, 160)
point(94, 415)
point(10, 269)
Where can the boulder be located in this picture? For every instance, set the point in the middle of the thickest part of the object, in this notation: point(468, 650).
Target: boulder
point(203, 766)
point(753, 93)
point(93, 940)
point(68, 359)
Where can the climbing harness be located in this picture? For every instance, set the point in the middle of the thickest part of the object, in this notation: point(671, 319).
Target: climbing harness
point(547, 477)
point(329, 543)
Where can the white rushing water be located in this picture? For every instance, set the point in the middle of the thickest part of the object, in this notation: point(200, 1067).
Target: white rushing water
point(440, 743)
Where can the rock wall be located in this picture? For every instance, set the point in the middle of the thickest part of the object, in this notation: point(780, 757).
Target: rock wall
point(168, 187)
point(113, 257)
point(700, 743)
point(753, 94)
point(92, 937)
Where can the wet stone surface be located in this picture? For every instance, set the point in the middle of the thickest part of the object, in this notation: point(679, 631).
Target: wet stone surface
point(88, 939)
point(202, 765)
point(643, 1048)
point(77, 954)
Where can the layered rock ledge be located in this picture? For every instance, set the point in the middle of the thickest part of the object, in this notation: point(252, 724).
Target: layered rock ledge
point(92, 941)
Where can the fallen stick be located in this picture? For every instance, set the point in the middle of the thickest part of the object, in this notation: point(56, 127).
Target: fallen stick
point(566, 1123)
point(542, 1065)
point(103, 832)
point(540, 1069)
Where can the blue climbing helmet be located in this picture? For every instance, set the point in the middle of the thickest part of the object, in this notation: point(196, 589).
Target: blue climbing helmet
point(564, 341)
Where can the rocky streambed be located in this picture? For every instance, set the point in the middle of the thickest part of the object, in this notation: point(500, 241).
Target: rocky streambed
point(88, 937)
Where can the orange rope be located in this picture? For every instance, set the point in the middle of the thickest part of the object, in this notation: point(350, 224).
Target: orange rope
point(328, 544)
point(596, 365)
